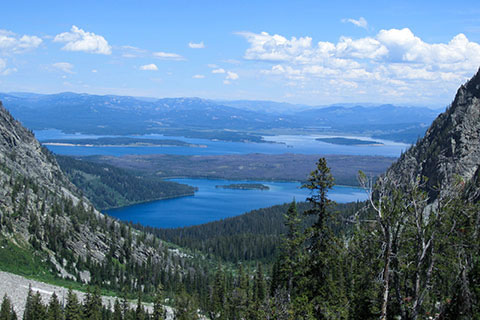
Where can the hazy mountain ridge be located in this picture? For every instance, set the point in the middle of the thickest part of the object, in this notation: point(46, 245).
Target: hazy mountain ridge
point(129, 115)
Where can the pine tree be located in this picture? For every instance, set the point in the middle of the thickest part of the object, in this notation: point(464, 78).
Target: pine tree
point(92, 307)
point(217, 297)
point(39, 311)
point(54, 311)
point(140, 310)
point(185, 308)
point(117, 311)
point(28, 312)
point(73, 310)
point(6, 310)
point(324, 278)
point(158, 309)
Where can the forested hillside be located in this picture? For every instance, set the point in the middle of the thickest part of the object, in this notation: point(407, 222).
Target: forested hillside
point(108, 187)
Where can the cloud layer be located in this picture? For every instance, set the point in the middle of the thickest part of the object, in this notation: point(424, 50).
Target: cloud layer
point(79, 40)
point(394, 58)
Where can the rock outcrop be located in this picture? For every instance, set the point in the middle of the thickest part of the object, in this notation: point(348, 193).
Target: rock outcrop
point(450, 150)
point(42, 212)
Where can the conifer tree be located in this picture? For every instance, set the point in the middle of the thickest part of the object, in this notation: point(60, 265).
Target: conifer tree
point(73, 310)
point(28, 312)
point(117, 311)
point(185, 308)
point(158, 309)
point(323, 279)
point(218, 296)
point(140, 310)
point(6, 309)
point(54, 311)
point(38, 308)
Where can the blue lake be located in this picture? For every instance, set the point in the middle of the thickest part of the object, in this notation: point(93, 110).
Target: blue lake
point(283, 144)
point(210, 203)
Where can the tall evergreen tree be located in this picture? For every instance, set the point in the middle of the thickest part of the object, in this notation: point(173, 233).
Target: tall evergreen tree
point(158, 308)
point(73, 310)
point(6, 309)
point(54, 311)
point(117, 311)
point(324, 276)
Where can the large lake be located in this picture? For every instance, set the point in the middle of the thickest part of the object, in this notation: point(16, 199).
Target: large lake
point(210, 203)
point(283, 144)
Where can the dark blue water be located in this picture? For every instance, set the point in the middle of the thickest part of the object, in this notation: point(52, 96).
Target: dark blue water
point(210, 203)
point(285, 144)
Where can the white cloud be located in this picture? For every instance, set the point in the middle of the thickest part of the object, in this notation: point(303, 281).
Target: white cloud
point(194, 45)
point(94, 70)
point(198, 76)
point(149, 67)
point(211, 65)
point(13, 43)
point(231, 76)
point(220, 70)
point(168, 56)
point(64, 67)
point(79, 40)
point(361, 22)
point(394, 59)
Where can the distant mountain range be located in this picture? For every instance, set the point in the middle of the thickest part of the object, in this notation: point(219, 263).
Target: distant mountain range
point(72, 112)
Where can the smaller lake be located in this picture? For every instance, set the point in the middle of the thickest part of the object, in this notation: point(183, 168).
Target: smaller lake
point(210, 203)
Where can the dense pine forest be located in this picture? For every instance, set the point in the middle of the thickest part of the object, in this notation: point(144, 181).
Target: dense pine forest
point(108, 186)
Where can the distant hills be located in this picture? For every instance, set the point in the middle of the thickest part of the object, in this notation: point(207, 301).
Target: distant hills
point(225, 120)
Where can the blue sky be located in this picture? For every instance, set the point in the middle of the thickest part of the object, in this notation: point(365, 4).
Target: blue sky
point(309, 52)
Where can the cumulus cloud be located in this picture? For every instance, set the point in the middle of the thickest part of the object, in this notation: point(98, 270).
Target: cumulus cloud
point(396, 59)
point(79, 40)
point(13, 43)
point(64, 67)
point(361, 22)
point(168, 56)
point(231, 76)
point(198, 76)
point(149, 67)
point(389, 51)
point(194, 45)
point(219, 70)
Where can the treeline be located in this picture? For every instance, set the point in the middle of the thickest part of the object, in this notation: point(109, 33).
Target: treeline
point(108, 187)
point(90, 308)
point(253, 236)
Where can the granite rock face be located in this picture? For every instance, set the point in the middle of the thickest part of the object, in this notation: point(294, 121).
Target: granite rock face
point(450, 150)
point(38, 202)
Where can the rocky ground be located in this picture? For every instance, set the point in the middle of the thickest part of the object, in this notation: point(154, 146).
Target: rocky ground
point(16, 287)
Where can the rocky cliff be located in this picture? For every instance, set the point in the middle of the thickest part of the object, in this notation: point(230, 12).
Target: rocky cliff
point(43, 214)
point(450, 150)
